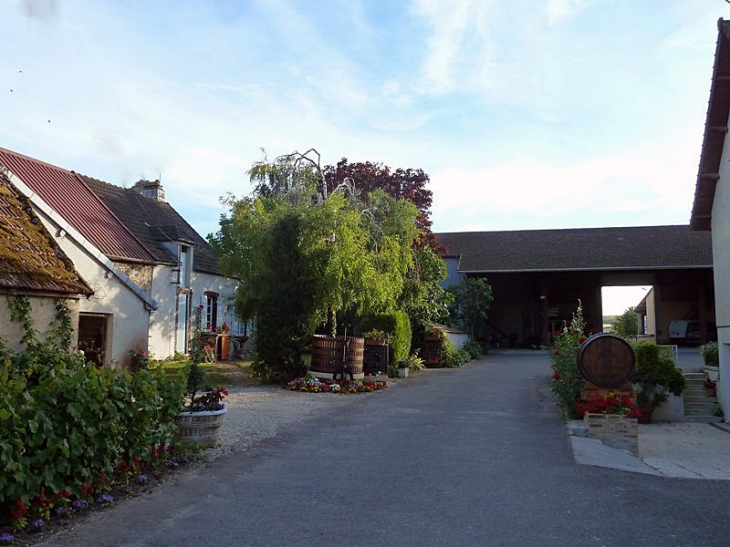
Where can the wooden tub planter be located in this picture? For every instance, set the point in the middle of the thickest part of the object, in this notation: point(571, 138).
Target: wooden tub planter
point(616, 430)
point(202, 427)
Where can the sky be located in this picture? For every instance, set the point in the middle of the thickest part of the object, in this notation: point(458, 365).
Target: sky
point(526, 115)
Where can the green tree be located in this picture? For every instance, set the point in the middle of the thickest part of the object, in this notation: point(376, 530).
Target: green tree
point(304, 257)
point(626, 324)
point(470, 307)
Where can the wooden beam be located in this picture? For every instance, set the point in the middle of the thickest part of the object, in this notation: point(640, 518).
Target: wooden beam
point(710, 176)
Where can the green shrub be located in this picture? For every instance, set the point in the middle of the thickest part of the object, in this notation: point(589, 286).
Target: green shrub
point(710, 354)
point(78, 424)
point(453, 357)
point(397, 325)
point(473, 348)
point(414, 363)
point(655, 374)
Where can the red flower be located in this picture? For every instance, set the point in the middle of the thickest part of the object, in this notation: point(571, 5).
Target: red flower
point(557, 352)
point(557, 376)
point(581, 339)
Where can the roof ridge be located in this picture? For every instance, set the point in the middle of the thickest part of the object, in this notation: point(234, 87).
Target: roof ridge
point(565, 229)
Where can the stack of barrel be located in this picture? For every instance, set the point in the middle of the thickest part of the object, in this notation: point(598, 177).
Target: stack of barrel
point(330, 354)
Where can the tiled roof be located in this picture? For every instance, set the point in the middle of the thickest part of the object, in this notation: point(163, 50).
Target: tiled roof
point(153, 223)
point(78, 205)
point(643, 247)
point(30, 259)
point(715, 131)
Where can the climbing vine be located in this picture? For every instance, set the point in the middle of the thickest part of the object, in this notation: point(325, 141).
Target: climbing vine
point(21, 311)
point(61, 332)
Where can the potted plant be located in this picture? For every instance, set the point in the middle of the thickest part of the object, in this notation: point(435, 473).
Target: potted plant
point(375, 337)
point(655, 377)
point(204, 411)
point(711, 357)
point(710, 387)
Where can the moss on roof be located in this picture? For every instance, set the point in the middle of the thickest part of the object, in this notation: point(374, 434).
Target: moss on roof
point(30, 259)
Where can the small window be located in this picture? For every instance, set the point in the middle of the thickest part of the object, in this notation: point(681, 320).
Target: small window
point(211, 311)
point(185, 266)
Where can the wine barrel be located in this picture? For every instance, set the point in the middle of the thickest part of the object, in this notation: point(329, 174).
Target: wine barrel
point(330, 353)
point(350, 351)
point(606, 360)
point(323, 356)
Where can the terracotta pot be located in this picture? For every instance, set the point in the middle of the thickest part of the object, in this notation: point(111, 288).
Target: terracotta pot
point(645, 416)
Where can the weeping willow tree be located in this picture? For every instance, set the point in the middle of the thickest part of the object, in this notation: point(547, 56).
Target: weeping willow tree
point(305, 258)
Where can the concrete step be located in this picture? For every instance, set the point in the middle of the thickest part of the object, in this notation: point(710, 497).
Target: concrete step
point(695, 375)
point(703, 419)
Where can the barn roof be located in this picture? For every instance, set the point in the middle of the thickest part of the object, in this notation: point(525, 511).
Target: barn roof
point(67, 194)
point(154, 222)
point(632, 248)
point(30, 259)
point(716, 126)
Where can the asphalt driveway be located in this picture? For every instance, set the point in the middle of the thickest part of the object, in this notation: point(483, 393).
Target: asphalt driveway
point(470, 456)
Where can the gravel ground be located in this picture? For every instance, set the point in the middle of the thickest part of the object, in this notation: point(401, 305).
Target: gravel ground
point(258, 413)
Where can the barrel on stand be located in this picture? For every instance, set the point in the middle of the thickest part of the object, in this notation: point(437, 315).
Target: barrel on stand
point(607, 361)
point(329, 354)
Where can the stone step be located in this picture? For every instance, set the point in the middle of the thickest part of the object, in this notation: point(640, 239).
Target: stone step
point(699, 411)
point(702, 419)
point(694, 375)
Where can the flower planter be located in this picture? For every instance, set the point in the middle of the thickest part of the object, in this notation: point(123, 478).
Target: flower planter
point(402, 373)
point(201, 427)
point(616, 430)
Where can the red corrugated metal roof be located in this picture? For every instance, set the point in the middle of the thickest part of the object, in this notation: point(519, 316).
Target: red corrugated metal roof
point(78, 205)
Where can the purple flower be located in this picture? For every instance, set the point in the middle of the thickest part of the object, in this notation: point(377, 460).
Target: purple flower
point(80, 504)
point(183, 460)
point(6, 539)
point(172, 465)
point(104, 498)
point(38, 524)
point(142, 479)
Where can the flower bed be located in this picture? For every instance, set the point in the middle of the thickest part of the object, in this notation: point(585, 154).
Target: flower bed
point(311, 384)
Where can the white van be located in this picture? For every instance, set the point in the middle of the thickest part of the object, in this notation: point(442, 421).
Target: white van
point(684, 331)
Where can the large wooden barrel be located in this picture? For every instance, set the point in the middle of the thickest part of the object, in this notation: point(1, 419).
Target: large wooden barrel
point(350, 351)
point(329, 353)
point(323, 356)
point(606, 360)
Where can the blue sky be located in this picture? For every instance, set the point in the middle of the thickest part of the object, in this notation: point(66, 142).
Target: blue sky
point(526, 115)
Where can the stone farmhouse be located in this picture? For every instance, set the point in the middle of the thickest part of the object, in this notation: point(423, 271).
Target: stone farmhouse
point(150, 272)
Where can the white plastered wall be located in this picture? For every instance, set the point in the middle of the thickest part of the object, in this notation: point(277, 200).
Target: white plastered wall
point(43, 312)
point(721, 263)
point(163, 322)
point(127, 316)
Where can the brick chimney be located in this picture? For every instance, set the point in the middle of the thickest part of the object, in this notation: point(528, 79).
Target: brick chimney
point(150, 188)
